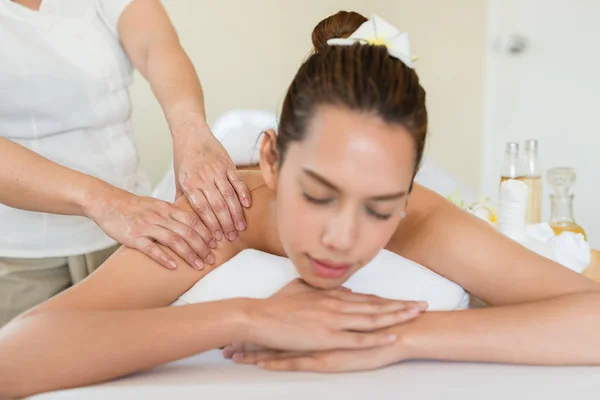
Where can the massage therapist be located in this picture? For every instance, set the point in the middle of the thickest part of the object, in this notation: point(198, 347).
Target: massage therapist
point(67, 150)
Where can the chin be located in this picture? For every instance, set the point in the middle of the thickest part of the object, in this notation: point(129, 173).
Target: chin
point(322, 283)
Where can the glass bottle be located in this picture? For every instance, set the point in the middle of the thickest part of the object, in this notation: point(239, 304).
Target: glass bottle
point(532, 176)
point(511, 168)
point(512, 209)
point(562, 219)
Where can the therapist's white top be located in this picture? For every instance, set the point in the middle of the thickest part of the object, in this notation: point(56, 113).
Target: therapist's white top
point(64, 80)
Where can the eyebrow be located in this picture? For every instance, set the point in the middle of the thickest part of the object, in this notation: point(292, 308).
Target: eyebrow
point(325, 182)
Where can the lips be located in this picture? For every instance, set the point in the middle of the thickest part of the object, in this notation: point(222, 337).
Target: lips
point(329, 269)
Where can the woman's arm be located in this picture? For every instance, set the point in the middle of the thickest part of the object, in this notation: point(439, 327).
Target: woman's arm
point(545, 314)
point(557, 331)
point(59, 348)
point(541, 312)
point(117, 322)
point(204, 172)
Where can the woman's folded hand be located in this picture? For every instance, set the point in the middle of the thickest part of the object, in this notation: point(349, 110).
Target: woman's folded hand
point(319, 361)
point(301, 318)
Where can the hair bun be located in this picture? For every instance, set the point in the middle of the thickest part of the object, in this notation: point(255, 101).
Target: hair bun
point(339, 25)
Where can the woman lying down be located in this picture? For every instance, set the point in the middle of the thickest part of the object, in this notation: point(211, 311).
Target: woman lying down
point(335, 187)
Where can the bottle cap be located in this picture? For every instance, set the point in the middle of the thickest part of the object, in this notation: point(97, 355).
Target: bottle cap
point(531, 145)
point(512, 147)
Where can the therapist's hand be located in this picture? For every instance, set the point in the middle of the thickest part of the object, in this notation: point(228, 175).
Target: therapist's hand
point(301, 318)
point(207, 176)
point(142, 222)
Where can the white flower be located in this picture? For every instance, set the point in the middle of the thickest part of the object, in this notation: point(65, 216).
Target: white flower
point(379, 32)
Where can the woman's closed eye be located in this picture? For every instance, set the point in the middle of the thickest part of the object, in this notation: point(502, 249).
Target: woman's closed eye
point(375, 214)
point(317, 200)
point(328, 200)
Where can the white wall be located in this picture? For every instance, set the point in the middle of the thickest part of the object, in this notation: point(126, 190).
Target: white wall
point(550, 91)
point(247, 51)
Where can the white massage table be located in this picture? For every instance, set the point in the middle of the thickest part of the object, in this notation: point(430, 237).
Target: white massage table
point(209, 376)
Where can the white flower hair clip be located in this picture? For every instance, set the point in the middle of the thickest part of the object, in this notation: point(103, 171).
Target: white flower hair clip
point(379, 32)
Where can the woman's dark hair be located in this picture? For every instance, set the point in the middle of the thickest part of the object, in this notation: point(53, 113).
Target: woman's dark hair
point(362, 78)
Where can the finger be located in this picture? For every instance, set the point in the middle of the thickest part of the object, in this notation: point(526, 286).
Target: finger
point(348, 295)
point(374, 303)
point(369, 322)
point(240, 187)
point(318, 362)
point(253, 357)
point(202, 207)
point(335, 361)
point(194, 232)
point(298, 363)
point(220, 209)
point(176, 243)
point(328, 361)
point(374, 308)
point(235, 208)
point(295, 363)
point(228, 351)
point(200, 253)
point(240, 348)
point(152, 250)
point(192, 220)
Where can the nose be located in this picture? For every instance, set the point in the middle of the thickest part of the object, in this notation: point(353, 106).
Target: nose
point(341, 231)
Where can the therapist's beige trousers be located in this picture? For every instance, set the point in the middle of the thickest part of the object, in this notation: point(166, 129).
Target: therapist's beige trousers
point(26, 282)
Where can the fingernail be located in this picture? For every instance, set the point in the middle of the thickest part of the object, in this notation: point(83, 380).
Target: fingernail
point(172, 264)
point(392, 337)
point(245, 201)
point(210, 259)
point(213, 244)
point(231, 236)
point(240, 225)
point(227, 353)
point(218, 235)
point(199, 265)
point(423, 304)
point(237, 357)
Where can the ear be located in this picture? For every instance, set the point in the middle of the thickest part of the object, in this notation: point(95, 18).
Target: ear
point(269, 158)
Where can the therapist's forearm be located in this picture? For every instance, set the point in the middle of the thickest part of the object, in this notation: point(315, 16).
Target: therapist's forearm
point(154, 48)
point(32, 182)
point(563, 330)
point(176, 86)
point(80, 347)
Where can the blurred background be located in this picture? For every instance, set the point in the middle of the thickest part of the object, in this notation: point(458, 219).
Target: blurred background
point(495, 71)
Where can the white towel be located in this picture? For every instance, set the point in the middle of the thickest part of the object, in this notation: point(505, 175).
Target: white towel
point(570, 249)
point(255, 274)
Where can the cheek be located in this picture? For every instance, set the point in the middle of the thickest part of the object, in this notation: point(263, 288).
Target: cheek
point(296, 219)
point(374, 236)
